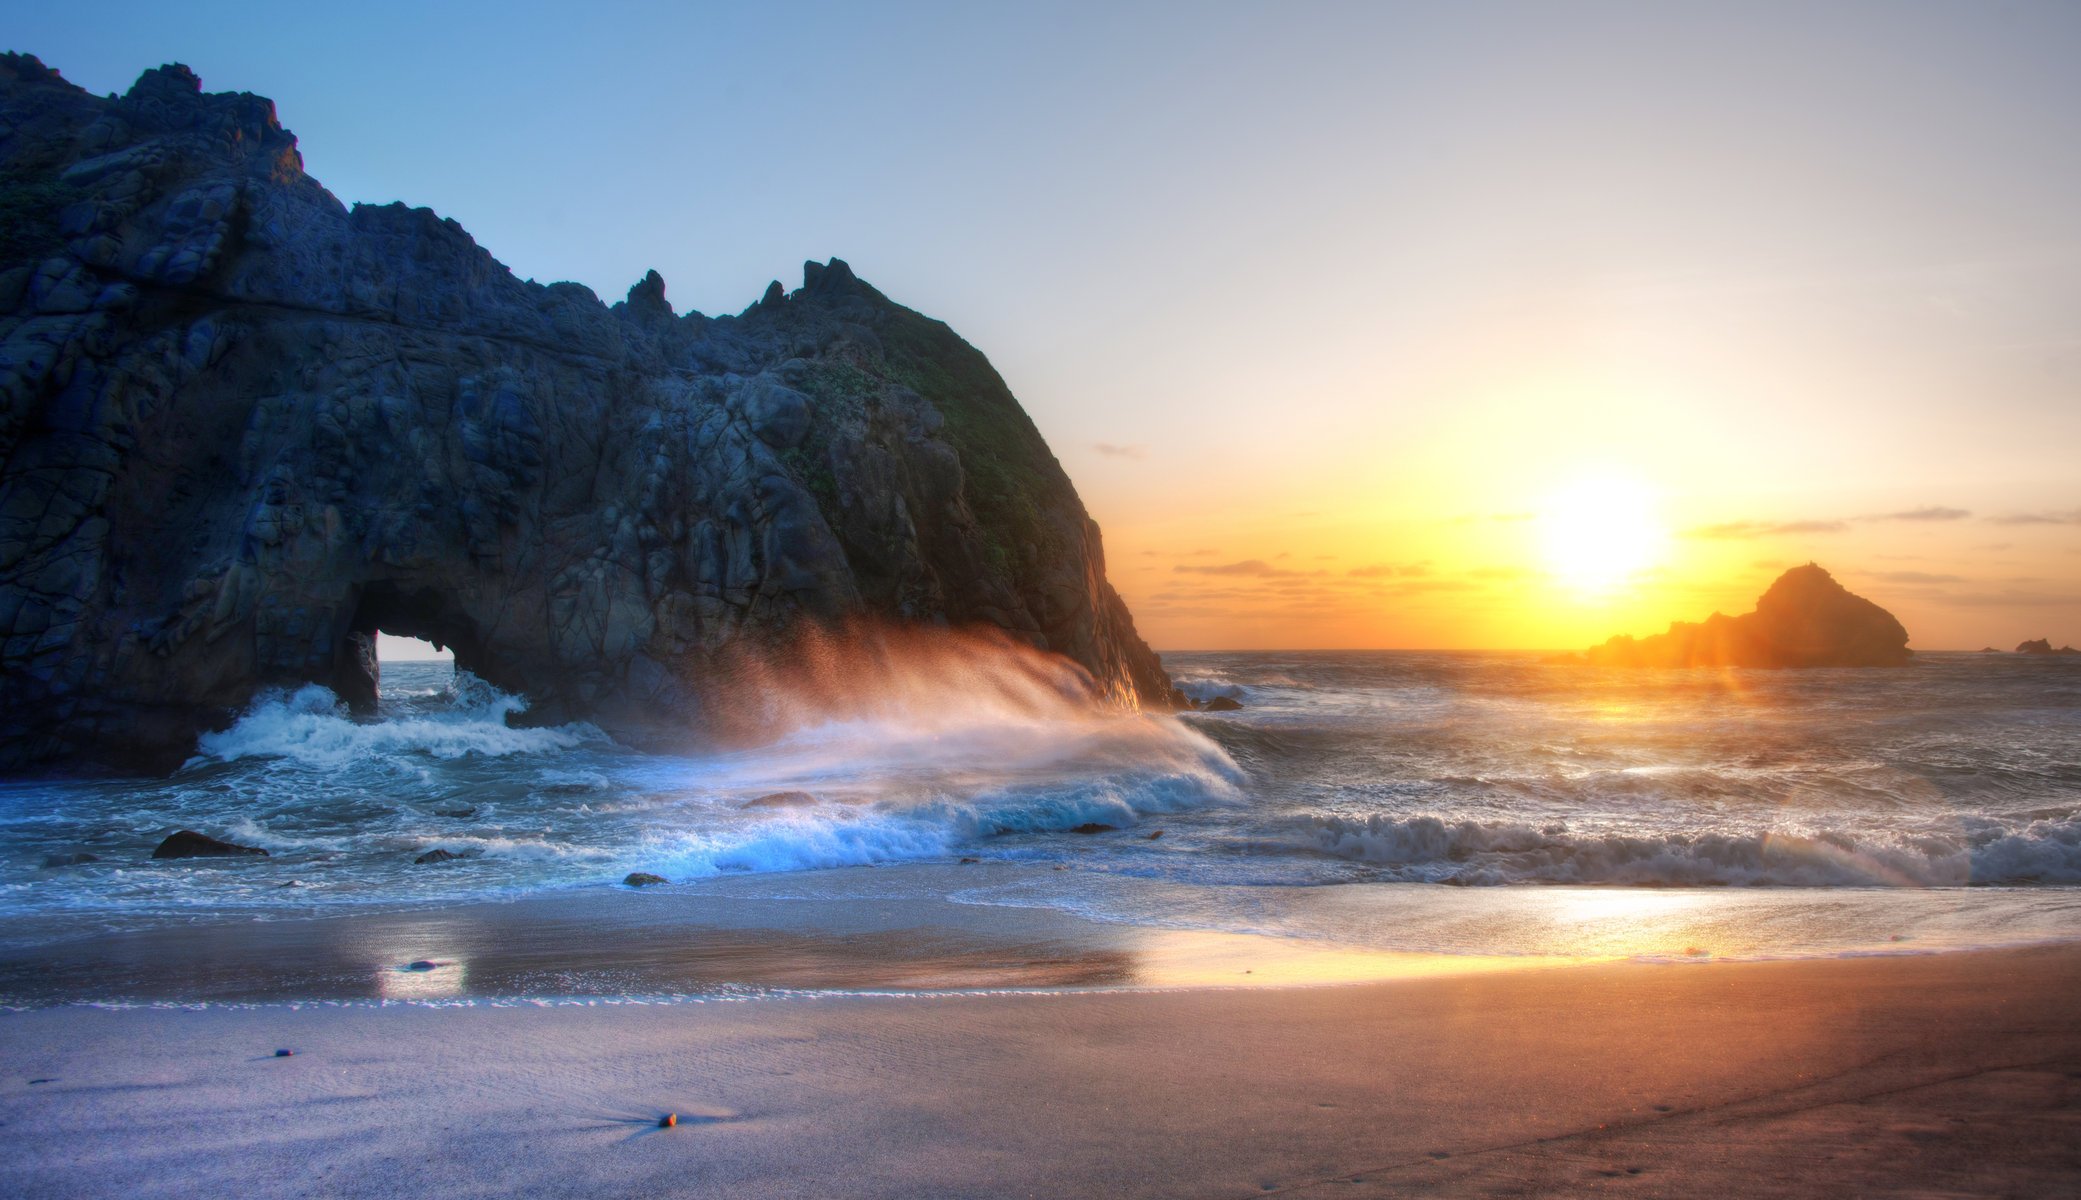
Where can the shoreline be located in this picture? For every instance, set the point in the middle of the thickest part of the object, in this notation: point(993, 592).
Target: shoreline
point(1953, 1072)
point(918, 928)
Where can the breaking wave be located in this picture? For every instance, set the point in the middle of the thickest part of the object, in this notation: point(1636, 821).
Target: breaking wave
point(312, 727)
point(1433, 849)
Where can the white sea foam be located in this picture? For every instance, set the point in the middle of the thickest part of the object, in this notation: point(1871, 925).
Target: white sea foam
point(311, 727)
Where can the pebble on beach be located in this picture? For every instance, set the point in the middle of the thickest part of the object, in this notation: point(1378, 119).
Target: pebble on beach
point(668, 1120)
point(285, 1053)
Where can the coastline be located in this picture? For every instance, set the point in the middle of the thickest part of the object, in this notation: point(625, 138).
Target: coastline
point(1957, 1072)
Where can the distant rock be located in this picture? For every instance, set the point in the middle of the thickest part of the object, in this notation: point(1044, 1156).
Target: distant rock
point(459, 814)
point(1806, 619)
point(1220, 704)
point(637, 879)
point(2044, 646)
point(782, 800)
point(1989, 650)
point(189, 844)
point(1093, 827)
point(69, 860)
point(245, 426)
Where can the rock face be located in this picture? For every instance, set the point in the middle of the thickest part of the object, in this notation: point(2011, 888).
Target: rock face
point(244, 427)
point(1806, 619)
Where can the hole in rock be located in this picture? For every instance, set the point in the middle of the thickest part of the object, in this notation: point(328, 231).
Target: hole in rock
point(402, 625)
point(394, 648)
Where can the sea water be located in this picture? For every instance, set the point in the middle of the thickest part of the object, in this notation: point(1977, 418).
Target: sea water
point(1460, 803)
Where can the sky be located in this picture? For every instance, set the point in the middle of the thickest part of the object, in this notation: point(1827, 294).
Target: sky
point(1485, 325)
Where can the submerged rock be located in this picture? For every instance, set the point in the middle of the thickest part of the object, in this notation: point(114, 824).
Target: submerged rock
point(1220, 704)
point(187, 843)
point(1093, 827)
point(69, 860)
point(638, 879)
point(244, 427)
point(1806, 619)
point(782, 800)
point(441, 855)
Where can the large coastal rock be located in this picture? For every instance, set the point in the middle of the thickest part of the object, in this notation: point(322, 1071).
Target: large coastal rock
point(243, 427)
point(2043, 646)
point(1806, 619)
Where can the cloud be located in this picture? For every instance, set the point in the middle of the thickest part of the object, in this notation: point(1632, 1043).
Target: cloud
point(1761, 529)
point(1929, 513)
point(1254, 567)
point(1110, 450)
point(1912, 577)
point(1390, 570)
point(2070, 517)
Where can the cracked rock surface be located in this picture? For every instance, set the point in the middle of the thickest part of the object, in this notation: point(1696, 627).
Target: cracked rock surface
point(243, 427)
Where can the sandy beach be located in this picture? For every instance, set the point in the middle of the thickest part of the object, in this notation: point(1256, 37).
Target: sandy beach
point(1949, 1074)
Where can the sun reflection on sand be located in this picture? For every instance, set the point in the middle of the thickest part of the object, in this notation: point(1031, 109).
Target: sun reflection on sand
point(1193, 958)
point(439, 979)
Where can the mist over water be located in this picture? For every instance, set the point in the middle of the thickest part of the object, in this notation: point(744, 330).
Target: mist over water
point(1819, 811)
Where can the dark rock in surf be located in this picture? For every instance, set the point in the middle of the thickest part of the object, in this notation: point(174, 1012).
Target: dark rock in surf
point(782, 800)
point(243, 427)
point(1093, 827)
point(68, 860)
point(459, 814)
point(187, 843)
point(1989, 650)
point(637, 879)
point(1220, 704)
point(441, 855)
point(1806, 619)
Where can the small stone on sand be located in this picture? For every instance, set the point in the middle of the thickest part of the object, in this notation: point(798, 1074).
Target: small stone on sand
point(424, 964)
point(285, 1054)
point(668, 1120)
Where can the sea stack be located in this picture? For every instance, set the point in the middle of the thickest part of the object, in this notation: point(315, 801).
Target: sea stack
point(1806, 619)
point(244, 427)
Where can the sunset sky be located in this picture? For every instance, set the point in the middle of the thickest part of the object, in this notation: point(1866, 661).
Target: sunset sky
point(1356, 325)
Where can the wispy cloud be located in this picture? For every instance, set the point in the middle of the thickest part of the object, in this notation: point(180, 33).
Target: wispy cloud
point(1255, 568)
point(1390, 570)
point(1932, 512)
point(1763, 529)
point(2070, 517)
point(1111, 450)
point(1913, 577)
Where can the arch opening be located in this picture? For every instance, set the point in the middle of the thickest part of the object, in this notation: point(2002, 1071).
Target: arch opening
point(411, 623)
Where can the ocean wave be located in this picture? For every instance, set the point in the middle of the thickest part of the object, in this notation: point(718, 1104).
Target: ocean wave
point(911, 824)
point(1199, 691)
point(310, 727)
point(1433, 849)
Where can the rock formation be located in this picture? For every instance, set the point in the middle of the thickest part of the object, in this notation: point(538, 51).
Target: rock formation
point(2043, 646)
point(244, 427)
point(1806, 619)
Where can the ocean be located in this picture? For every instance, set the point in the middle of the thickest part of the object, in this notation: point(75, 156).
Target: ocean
point(1475, 804)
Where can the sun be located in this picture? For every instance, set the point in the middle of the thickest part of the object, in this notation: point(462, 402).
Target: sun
point(1599, 532)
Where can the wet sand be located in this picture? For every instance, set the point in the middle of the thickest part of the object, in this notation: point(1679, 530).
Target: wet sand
point(1939, 1074)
